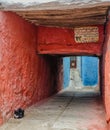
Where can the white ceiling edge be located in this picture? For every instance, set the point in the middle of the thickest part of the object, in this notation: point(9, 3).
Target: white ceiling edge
point(37, 2)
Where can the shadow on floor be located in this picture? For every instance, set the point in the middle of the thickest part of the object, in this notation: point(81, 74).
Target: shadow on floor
point(63, 111)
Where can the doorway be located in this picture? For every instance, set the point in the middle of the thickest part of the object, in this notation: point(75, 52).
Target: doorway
point(81, 74)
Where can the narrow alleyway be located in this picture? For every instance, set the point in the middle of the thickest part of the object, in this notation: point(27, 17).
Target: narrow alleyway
point(62, 112)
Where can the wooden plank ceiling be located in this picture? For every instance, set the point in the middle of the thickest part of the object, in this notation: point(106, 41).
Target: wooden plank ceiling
point(58, 15)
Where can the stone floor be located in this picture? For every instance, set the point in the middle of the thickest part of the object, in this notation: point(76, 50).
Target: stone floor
point(63, 111)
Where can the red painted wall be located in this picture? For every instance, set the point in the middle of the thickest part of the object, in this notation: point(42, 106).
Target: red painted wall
point(106, 72)
point(53, 40)
point(25, 77)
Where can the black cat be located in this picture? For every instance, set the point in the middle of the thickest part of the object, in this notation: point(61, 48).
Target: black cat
point(19, 113)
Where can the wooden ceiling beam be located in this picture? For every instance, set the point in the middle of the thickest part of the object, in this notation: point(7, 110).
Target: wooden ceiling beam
point(69, 22)
point(67, 19)
point(67, 15)
point(70, 25)
point(61, 14)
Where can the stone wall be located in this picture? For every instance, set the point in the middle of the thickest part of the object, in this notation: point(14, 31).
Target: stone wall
point(53, 41)
point(66, 71)
point(106, 72)
point(25, 77)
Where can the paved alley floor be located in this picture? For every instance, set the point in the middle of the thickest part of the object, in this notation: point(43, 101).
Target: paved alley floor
point(62, 112)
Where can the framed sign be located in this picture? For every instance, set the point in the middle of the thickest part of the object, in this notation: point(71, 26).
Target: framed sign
point(87, 34)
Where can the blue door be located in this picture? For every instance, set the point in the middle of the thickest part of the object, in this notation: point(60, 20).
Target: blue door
point(90, 70)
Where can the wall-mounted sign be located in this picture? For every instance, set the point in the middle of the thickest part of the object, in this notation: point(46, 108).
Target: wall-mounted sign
point(86, 34)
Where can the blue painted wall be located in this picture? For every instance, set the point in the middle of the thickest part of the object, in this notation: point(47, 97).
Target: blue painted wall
point(66, 71)
point(89, 71)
